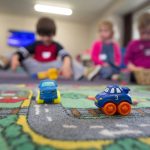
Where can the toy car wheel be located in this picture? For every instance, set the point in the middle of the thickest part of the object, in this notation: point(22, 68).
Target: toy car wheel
point(58, 100)
point(124, 108)
point(109, 109)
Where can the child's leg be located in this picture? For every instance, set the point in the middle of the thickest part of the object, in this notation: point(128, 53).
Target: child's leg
point(78, 70)
point(92, 72)
point(32, 66)
point(106, 72)
point(116, 72)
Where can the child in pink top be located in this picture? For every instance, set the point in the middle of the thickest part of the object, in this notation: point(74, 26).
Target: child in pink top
point(106, 52)
point(138, 51)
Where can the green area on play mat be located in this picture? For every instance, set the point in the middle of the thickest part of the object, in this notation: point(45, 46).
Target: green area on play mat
point(12, 137)
point(78, 98)
point(11, 105)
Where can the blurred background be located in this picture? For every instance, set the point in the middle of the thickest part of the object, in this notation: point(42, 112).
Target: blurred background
point(81, 26)
point(77, 26)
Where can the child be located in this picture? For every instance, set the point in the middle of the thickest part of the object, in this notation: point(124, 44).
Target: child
point(44, 53)
point(106, 53)
point(138, 51)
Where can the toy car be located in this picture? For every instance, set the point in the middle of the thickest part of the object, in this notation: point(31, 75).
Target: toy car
point(114, 99)
point(48, 92)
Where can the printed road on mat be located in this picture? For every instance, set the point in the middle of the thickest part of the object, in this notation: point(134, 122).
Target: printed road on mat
point(79, 119)
point(74, 124)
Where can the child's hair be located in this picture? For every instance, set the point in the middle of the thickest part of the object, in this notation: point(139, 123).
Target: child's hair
point(106, 23)
point(46, 26)
point(144, 21)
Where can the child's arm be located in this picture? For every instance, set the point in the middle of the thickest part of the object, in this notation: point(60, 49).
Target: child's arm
point(15, 62)
point(20, 55)
point(129, 57)
point(66, 69)
point(132, 67)
point(117, 55)
point(95, 54)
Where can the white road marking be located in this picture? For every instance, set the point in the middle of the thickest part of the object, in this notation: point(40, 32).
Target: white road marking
point(36, 105)
point(49, 119)
point(144, 125)
point(69, 126)
point(8, 94)
point(119, 132)
point(122, 125)
point(96, 127)
point(46, 110)
point(37, 110)
point(15, 97)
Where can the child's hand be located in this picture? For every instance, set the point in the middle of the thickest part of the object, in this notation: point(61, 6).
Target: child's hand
point(66, 69)
point(132, 67)
point(15, 62)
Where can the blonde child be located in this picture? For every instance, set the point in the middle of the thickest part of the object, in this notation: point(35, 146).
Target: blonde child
point(106, 52)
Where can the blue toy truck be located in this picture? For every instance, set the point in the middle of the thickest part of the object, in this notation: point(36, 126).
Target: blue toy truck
point(114, 99)
point(48, 92)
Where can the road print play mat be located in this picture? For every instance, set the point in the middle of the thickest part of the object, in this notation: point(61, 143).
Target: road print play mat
point(74, 124)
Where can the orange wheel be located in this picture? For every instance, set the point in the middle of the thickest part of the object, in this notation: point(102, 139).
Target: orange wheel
point(109, 109)
point(124, 108)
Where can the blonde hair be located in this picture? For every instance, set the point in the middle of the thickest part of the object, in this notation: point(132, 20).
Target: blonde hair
point(106, 23)
point(144, 21)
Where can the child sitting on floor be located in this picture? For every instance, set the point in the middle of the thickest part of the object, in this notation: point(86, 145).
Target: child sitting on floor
point(138, 51)
point(44, 53)
point(106, 53)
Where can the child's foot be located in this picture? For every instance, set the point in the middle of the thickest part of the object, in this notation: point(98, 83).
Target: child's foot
point(115, 77)
point(93, 72)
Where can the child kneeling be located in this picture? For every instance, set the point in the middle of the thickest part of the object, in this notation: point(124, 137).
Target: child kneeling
point(44, 53)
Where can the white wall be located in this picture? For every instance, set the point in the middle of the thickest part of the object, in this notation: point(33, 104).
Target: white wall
point(72, 35)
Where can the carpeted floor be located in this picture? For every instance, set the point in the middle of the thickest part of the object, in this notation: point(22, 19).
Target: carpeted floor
point(76, 123)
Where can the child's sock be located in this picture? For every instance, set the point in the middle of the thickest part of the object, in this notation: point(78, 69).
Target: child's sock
point(115, 77)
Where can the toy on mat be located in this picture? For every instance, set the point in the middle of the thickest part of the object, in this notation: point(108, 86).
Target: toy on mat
point(51, 74)
point(48, 92)
point(114, 99)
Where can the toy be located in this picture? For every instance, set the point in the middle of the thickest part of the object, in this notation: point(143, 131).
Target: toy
point(51, 74)
point(114, 99)
point(48, 92)
point(42, 75)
